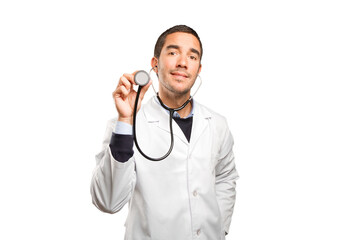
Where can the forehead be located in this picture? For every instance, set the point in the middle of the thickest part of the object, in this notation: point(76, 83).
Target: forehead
point(185, 41)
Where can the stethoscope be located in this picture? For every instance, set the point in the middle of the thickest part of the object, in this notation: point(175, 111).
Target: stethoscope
point(142, 78)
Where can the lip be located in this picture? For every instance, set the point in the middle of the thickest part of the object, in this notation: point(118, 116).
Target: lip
point(179, 74)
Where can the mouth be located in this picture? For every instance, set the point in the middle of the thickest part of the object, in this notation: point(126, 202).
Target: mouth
point(179, 74)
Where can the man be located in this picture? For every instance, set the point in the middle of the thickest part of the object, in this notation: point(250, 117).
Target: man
point(191, 193)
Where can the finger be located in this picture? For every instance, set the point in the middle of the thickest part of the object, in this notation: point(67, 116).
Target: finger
point(121, 91)
point(124, 92)
point(124, 81)
point(130, 77)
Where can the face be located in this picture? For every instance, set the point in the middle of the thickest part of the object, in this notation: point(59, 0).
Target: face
point(179, 63)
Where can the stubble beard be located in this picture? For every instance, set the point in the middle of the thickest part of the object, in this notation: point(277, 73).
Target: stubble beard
point(174, 91)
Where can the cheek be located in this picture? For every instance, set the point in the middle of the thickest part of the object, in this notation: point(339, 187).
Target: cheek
point(195, 70)
point(168, 62)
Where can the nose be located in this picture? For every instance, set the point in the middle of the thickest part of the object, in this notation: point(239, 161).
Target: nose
point(182, 61)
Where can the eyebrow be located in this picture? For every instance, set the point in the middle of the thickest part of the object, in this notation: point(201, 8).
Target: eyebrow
point(193, 50)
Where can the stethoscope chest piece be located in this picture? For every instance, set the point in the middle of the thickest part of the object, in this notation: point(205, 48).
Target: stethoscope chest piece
point(141, 78)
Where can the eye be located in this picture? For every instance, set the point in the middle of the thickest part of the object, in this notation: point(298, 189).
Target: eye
point(193, 57)
point(172, 53)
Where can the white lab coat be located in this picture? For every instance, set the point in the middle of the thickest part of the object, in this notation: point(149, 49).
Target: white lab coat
point(189, 195)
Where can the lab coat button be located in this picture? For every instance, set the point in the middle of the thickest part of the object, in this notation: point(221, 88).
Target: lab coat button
point(198, 232)
point(195, 193)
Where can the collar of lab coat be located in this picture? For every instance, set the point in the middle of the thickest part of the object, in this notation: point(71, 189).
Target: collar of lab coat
point(154, 113)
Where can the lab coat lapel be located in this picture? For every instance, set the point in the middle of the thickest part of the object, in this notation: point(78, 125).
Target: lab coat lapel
point(200, 122)
point(165, 125)
point(155, 113)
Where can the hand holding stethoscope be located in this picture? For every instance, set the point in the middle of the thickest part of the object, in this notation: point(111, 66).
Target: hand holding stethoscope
point(125, 95)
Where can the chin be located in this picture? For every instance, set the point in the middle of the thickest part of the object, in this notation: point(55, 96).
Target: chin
point(180, 88)
point(181, 91)
point(177, 87)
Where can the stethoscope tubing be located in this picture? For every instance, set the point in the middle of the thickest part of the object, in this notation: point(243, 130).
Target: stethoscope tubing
point(171, 113)
point(171, 110)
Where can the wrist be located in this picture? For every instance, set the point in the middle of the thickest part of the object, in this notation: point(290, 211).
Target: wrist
point(127, 120)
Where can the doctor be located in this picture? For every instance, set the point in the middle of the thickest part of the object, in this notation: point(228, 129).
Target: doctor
point(191, 193)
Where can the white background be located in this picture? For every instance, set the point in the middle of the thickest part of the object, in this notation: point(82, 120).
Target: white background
point(284, 73)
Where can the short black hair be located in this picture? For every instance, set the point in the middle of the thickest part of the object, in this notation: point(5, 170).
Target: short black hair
point(178, 28)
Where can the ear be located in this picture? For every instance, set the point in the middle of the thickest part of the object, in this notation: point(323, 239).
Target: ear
point(154, 63)
point(199, 69)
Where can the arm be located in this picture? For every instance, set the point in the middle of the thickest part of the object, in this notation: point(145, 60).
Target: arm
point(113, 181)
point(122, 142)
point(226, 176)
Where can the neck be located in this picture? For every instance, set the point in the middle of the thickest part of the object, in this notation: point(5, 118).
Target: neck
point(174, 101)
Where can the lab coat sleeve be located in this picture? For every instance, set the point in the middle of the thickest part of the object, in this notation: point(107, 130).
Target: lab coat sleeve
point(112, 182)
point(226, 176)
